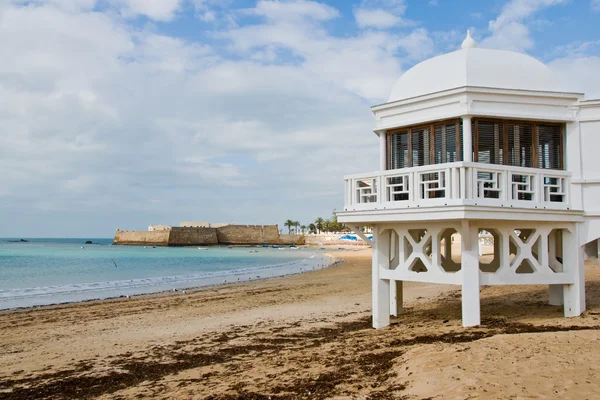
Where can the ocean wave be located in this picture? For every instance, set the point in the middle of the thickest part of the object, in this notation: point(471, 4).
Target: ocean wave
point(147, 285)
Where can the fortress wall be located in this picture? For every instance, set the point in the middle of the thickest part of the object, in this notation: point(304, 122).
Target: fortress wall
point(193, 236)
point(248, 234)
point(291, 239)
point(229, 235)
point(148, 238)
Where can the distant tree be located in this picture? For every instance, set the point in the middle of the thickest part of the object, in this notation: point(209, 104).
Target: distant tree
point(296, 226)
point(289, 223)
point(327, 225)
point(319, 224)
point(312, 228)
point(303, 228)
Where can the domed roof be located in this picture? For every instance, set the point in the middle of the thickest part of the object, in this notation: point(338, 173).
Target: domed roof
point(472, 66)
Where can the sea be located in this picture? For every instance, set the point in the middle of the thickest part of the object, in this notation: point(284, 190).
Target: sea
point(52, 271)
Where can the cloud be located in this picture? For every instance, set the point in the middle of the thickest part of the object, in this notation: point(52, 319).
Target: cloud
point(109, 125)
point(579, 74)
point(595, 4)
point(296, 9)
point(376, 18)
point(508, 30)
point(381, 14)
point(160, 10)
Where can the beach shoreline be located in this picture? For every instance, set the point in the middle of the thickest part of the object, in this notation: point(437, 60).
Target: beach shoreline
point(285, 337)
point(188, 282)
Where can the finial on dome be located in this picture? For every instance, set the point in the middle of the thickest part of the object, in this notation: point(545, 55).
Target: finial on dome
point(469, 42)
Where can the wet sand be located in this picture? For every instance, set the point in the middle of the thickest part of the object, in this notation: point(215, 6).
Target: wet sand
point(303, 336)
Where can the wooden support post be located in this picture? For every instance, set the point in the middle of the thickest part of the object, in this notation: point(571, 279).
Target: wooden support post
point(381, 287)
point(471, 315)
point(574, 295)
point(396, 300)
point(555, 292)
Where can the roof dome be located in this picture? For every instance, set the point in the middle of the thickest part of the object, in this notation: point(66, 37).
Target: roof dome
point(472, 66)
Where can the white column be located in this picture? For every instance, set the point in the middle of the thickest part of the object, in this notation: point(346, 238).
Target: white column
point(574, 295)
point(471, 315)
point(381, 287)
point(555, 292)
point(467, 140)
point(396, 300)
point(382, 151)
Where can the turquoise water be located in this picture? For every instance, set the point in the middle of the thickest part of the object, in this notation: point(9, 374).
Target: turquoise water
point(51, 271)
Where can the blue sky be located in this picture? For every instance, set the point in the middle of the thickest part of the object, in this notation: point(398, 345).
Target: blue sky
point(124, 113)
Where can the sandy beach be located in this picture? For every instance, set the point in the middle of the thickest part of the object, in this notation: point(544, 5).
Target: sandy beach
point(303, 336)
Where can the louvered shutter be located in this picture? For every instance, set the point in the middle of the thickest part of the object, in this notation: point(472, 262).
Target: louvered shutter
point(520, 145)
point(398, 150)
point(420, 147)
point(444, 142)
point(549, 151)
point(490, 140)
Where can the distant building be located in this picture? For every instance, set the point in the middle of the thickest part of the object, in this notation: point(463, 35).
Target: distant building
point(152, 228)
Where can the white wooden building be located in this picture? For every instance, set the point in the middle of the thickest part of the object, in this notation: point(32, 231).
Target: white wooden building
point(474, 141)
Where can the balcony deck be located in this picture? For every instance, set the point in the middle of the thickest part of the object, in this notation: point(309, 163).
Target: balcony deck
point(458, 190)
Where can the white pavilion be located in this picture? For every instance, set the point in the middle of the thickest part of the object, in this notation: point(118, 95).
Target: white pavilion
point(480, 143)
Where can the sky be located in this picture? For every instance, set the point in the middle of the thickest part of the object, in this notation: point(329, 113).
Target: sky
point(125, 113)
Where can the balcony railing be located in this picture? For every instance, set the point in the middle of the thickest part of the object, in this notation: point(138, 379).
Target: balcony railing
point(459, 183)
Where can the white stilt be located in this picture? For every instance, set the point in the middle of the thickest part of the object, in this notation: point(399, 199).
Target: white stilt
point(396, 298)
point(555, 292)
point(574, 295)
point(555, 295)
point(470, 272)
point(381, 287)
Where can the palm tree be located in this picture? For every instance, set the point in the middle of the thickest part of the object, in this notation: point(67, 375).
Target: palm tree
point(327, 225)
point(312, 227)
point(303, 228)
point(296, 225)
point(289, 223)
point(319, 224)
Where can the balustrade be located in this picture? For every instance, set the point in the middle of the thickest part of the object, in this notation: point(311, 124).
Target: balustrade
point(459, 183)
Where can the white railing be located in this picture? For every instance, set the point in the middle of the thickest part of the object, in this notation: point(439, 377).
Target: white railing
point(459, 183)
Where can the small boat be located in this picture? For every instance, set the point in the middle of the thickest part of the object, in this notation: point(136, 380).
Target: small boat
point(202, 248)
point(252, 251)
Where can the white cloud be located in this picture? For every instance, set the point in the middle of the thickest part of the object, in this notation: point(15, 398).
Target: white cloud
point(296, 9)
point(376, 18)
point(64, 5)
point(381, 14)
point(161, 10)
point(118, 126)
point(508, 30)
point(579, 74)
point(595, 4)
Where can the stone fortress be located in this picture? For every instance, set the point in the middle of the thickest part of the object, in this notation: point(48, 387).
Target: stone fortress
point(206, 234)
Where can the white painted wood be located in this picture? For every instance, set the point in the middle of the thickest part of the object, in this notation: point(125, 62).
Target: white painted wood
point(467, 139)
point(381, 287)
point(396, 298)
point(382, 151)
point(574, 294)
point(470, 284)
point(555, 295)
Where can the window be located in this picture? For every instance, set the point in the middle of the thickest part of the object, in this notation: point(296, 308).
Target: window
point(518, 144)
point(489, 142)
point(424, 145)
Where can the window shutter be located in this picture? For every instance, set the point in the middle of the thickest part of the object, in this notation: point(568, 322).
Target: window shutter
point(398, 150)
point(420, 147)
point(490, 139)
point(445, 149)
point(549, 151)
point(520, 145)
